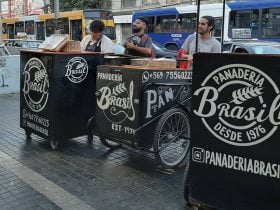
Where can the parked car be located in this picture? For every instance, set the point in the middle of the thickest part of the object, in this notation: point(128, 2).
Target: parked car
point(161, 51)
point(252, 47)
point(23, 43)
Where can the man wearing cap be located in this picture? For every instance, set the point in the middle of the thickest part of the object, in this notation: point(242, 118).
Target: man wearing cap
point(139, 44)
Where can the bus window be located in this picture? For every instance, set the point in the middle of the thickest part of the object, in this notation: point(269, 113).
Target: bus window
point(187, 23)
point(218, 28)
point(63, 24)
point(151, 26)
point(271, 23)
point(245, 19)
point(29, 27)
point(110, 32)
point(92, 14)
point(50, 27)
point(76, 30)
point(40, 31)
point(166, 23)
point(4, 28)
point(19, 27)
point(11, 31)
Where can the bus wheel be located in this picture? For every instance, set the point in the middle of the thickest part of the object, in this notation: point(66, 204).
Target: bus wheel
point(172, 47)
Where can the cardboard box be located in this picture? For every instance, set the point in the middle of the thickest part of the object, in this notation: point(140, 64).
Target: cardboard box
point(72, 46)
point(160, 63)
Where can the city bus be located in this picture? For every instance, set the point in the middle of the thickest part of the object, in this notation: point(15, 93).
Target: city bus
point(74, 23)
point(247, 19)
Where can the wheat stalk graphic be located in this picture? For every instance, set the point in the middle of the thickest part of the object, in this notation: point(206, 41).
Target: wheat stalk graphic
point(79, 66)
point(243, 94)
point(40, 75)
point(119, 89)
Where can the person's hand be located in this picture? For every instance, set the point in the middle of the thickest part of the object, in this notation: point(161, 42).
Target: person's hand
point(190, 58)
point(129, 45)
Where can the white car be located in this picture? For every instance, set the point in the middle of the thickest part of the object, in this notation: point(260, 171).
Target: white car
point(253, 47)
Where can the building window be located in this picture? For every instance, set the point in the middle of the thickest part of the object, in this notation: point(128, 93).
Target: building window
point(128, 3)
point(172, 1)
point(150, 2)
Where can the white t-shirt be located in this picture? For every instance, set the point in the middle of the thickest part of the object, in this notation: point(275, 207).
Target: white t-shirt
point(107, 45)
point(204, 45)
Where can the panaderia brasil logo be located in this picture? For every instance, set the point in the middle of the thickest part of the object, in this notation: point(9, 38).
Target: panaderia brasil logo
point(239, 104)
point(35, 85)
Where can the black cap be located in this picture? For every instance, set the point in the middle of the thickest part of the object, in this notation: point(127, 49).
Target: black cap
point(143, 19)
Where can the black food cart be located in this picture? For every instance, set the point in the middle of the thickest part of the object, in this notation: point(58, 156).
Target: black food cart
point(146, 108)
point(56, 93)
point(235, 132)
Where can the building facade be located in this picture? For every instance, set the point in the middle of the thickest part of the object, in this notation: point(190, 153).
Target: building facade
point(16, 8)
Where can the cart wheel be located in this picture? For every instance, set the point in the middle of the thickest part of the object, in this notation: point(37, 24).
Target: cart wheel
point(54, 144)
point(110, 144)
point(172, 138)
point(28, 135)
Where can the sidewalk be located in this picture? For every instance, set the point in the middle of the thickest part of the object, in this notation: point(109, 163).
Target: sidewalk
point(80, 175)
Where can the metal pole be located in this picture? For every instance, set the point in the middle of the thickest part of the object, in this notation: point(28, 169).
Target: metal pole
point(56, 16)
point(1, 22)
point(25, 7)
point(197, 24)
point(9, 8)
point(56, 9)
point(223, 25)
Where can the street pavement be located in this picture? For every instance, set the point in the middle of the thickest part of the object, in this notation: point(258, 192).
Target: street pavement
point(79, 175)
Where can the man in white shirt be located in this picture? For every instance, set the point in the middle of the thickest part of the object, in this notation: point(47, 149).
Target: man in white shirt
point(97, 41)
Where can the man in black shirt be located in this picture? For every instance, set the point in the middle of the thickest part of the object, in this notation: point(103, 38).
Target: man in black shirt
point(139, 44)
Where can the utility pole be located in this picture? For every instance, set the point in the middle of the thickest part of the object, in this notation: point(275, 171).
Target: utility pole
point(9, 8)
point(56, 16)
point(56, 9)
point(25, 7)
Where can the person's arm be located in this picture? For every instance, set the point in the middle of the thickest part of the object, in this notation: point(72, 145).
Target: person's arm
point(142, 50)
point(217, 47)
point(186, 47)
point(187, 56)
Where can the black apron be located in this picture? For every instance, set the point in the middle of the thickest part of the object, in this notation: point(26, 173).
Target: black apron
point(96, 47)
